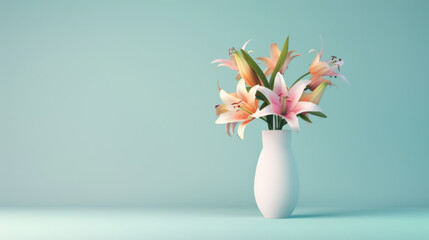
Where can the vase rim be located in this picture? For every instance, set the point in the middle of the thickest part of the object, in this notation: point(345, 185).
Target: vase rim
point(283, 130)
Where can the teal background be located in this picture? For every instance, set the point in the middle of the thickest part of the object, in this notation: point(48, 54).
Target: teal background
point(111, 103)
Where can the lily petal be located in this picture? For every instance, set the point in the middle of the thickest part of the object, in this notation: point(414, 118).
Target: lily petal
point(245, 44)
point(221, 61)
point(233, 127)
point(252, 95)
point(232, 116)
point(237, 77)
point(272, 97)
point(295, 93)
point(319, 68)
point(280, 87)
point(221, 109)
point(264, 112)
point(230, 128)
point(292, 121)
point(227, 98)
point(316, 81)
point(226, 63)
point(268, 71)
point(248, 97)
point(337, 74)
point(274, 51)
point(241, 90)
point(241, 128)
point(227, 128)
point(288, 60)
point(265, 59)
point(306, 107)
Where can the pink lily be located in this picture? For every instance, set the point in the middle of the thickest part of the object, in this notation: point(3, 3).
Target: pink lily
point(275, 54)
point(285, 102)
point(237, 107)
point(319, 69)
point(231, 63)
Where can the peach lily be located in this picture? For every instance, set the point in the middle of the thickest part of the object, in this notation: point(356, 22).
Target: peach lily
point(319, 69)
point(237, 107)
point(285, 102)
point(231, 63)
point(275, 54)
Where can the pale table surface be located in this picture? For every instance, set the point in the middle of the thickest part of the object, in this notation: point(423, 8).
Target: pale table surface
point(108, 223)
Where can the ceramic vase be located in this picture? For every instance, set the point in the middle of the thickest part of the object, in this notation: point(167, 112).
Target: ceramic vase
point(276, 179)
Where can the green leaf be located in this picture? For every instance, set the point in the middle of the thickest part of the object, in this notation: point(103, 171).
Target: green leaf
point(280, 62)
point(255, 67)
point(263, 105)
point(262, 97)
point(319, 114)
point(305, 118)
point(283, 122)
point(270, 120)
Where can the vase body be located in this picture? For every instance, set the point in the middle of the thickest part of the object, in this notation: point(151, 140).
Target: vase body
point(276, 178)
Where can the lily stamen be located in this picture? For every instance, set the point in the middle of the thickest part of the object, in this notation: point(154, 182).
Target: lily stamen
point(283, 102)
point(231, 51)
point(246, 110)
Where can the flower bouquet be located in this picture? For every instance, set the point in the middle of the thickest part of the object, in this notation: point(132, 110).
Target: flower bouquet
point(265, 95)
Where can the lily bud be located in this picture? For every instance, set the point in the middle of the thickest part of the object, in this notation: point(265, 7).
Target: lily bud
point(246, 72)
point(316, 95)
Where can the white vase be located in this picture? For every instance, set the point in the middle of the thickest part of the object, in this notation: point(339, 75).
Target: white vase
point(276, 178)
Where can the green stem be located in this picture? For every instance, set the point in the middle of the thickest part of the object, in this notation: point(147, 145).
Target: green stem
point(300, 78)
point(274, 122)
point(278, 123)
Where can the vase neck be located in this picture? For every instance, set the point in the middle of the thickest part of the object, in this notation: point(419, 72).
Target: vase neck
point(276, 138)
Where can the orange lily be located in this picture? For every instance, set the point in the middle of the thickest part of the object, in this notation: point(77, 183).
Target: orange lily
point(275, 54)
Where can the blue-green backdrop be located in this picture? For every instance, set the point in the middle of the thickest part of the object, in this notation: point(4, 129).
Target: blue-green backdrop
point(111, 103)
